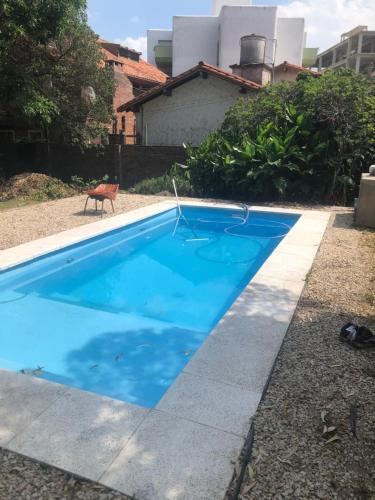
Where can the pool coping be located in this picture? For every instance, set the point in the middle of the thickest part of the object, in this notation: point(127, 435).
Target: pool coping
point(186, 445)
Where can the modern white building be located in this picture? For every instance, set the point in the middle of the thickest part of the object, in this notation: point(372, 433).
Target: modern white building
point(215, 38)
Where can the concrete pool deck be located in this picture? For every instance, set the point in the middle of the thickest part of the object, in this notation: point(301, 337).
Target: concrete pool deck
point(185, 446)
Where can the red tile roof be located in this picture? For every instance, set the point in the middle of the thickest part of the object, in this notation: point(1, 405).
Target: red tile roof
point(144, 71)
point(287, 65)
point(202, 67)
point(141, 70)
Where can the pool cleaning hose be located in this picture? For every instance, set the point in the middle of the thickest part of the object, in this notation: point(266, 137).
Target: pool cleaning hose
point(181, 215)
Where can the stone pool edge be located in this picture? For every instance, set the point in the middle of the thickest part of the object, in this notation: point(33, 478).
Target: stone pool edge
point(184, 447)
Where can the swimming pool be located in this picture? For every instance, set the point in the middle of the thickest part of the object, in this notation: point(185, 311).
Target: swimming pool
point(122, 314)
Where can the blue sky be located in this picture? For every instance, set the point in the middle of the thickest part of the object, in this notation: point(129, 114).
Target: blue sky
point(126, 21)
point(121, 18)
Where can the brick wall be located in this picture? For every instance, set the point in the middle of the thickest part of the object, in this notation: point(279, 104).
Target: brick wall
point(124, 93)
point(58, 160)
point(125, 164)
point(142, 162)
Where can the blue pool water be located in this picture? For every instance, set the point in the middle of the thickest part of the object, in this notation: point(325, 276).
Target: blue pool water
point(121, 314)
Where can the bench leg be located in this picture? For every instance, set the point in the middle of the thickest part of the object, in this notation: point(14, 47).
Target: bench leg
point(113, 208)
point(84, 211)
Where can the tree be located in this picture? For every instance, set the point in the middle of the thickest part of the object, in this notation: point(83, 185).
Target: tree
point(49, 57)
point(343, 102)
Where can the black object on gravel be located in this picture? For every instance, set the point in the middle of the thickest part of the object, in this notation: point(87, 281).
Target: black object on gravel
point(359, 337)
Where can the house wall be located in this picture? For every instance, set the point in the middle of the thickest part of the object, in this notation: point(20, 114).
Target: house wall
point(192, 111)
point(153, 37)
point(286, 76)
point(194, 39)
point(290, 40)
point(236, 22)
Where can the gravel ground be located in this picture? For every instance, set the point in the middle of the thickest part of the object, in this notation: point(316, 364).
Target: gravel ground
point(314, 373)
point(43, 219)
point(24, 479)
point(317, 378)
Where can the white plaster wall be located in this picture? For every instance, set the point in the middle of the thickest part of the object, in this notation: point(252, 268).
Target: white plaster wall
point(195, 38)
point(192, 111)
point(218, 4)
point(236, 22)
point(153, 37)
point(290, 40)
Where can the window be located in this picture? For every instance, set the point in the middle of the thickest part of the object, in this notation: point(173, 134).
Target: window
point(327, 60)
point(368, 44)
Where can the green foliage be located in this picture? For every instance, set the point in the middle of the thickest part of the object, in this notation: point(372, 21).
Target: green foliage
point(53, 189)
point(306, 140)
point(247, 115)
point(162, 184)
point(48, 55)
point(34, 187)
point(281, 159)
point(81, 184)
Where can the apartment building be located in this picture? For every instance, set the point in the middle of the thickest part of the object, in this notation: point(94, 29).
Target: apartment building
point(356, 50)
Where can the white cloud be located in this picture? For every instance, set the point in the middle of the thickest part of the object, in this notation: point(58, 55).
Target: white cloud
point(93, 14)
point(326, 20)
point(139, 44)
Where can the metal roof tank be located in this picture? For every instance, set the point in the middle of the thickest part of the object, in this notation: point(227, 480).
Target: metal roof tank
point(253, 49)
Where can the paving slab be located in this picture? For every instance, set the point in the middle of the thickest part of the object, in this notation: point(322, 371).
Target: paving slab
point(23, 398)
point(284, 266)
point(223, 406)
point(171, 458)
point(81, 432)
point(303, 238)
point(266, 301)
point(298, 250)
point(244, 363)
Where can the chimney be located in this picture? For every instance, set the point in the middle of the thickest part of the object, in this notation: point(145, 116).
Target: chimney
point(252, 60)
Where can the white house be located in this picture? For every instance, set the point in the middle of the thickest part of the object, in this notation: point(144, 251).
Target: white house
point(216, 38)
point(187, 107)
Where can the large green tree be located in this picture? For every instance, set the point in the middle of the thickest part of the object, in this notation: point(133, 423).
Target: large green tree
point(51, 68)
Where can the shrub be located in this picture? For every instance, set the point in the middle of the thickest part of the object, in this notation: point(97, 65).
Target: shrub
point(33, 186)
point(53, 189)
point(304, 140)
point(154, 185)
point(162, 184)
point(80, 184)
